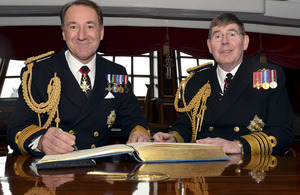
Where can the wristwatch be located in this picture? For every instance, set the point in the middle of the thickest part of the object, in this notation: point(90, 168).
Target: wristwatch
point(239, 143)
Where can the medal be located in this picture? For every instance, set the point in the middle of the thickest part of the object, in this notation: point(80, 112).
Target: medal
point(256, 80)
point(84, 86)
point(108, 78)
point(84, 83)
point(117, 83)
point(108, 88)
point(126, 89)
point(273, 77)
point(265, 75)
point(115, 88)
point(266, 86)
point(121, 89)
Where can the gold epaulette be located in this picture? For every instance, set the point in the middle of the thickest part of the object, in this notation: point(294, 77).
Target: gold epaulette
point(200, 67)
point(197, 105)
point(49, 107)
point(39, 58)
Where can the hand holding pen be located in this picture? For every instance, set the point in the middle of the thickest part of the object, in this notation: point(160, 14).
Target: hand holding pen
point(56, 141)
point(74, 146)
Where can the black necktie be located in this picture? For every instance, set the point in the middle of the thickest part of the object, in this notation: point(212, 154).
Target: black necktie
point(85, 83)
point(227, 81)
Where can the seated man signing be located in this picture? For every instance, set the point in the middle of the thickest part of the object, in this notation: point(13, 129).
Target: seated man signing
point(239, 103)
point(75, 96)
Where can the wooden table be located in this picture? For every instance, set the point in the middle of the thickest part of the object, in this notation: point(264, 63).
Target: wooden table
point(123, 175)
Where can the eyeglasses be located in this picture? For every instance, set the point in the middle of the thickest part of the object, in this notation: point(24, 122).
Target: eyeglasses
point(230, 35)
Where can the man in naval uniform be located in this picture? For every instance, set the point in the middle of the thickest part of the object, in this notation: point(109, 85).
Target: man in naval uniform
point(62, 105)
point(247, 111)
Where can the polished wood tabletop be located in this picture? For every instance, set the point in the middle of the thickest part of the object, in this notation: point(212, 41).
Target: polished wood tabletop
point(123, 175)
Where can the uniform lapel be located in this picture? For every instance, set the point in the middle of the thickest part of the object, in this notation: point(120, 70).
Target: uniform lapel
point(70, 88)
point(241, 80)
point(213, 100)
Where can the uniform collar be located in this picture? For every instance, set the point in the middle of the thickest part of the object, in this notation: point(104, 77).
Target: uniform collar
point(222, 74)
point(75, 64)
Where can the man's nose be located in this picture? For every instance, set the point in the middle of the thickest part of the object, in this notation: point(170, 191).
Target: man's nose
point(224, 39)
point(82, 34)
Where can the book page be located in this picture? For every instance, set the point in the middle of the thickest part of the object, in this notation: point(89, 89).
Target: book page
point(88, 153)
point(164, 152)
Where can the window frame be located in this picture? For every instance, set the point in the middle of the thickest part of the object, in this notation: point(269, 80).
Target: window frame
point(179, 68)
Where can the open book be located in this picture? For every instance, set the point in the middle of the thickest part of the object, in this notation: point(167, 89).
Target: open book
point(146, 152)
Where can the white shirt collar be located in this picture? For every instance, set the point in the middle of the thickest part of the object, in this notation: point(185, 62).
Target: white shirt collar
point(222, 75)
point(75, 66)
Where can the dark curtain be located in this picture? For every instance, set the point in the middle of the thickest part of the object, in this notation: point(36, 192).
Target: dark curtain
point(283, 50)
point(21, 42)
point(128, 41)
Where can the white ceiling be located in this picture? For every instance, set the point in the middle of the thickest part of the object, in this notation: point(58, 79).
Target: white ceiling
point(266, 16)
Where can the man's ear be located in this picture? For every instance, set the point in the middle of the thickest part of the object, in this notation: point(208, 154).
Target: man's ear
point(209, 45)
point(63, 34)
point(102, 33)
point(246, 42)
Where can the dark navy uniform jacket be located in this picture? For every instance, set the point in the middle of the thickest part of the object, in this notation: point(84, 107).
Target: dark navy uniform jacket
point(229, 117)
point(86, 117)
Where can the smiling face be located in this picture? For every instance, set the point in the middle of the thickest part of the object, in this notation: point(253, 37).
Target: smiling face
point(227, 51)
point(82, 32)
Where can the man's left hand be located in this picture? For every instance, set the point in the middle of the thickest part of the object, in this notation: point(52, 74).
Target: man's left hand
point(137, 136)
point(229, 147)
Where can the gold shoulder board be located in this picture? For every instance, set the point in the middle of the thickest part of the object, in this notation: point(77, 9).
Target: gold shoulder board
point(200, 67)
point(39, 58)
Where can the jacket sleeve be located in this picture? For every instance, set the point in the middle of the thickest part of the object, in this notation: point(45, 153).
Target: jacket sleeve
point(23, 127)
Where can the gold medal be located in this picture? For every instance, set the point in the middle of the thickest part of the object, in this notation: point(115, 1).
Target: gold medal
point(266, 85)
point(84, 85)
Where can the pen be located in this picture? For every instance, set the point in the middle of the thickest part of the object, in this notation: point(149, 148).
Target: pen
point(74, 146)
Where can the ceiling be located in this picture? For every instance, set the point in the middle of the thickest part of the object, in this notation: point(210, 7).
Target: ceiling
point(266, 16)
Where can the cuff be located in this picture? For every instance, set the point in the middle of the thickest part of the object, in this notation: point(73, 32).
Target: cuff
point(177, 137)
point(23, 135)
point(261, 143)
point(34, 144)
point(139, 128)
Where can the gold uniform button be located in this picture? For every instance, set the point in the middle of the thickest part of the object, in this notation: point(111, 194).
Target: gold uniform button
point(96, 134)
point(93, 146)
point(71, 132)
point(238, 170)
point(236, 129)
point(211, 128)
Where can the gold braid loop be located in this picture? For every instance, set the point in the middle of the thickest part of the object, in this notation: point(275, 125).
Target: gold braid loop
point(195, 114)
point(54, 89)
